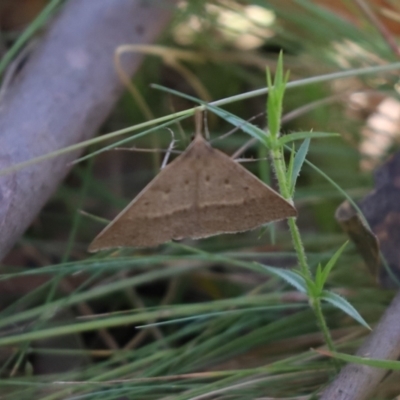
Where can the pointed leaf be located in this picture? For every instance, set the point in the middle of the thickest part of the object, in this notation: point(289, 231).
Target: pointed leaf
point(344, 305)
point(240, 123)
point(331, 263)
point(289, 172)
point(304, 135)
point(275, 98)
point(293, 278)
point(318, 278)
point(299, 160)
point(312, 289)
point(273, 117)
point(371, 362)
point(279, 71)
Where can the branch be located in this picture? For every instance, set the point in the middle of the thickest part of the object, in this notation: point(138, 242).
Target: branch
point(62, 95)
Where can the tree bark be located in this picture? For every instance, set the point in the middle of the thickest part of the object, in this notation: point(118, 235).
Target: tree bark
point(62, 95)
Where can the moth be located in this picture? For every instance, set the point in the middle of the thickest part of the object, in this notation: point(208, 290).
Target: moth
point(202, 193)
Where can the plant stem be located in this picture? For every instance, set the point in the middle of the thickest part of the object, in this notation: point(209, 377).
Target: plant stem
point(280, 171)
point(316, 306)
point(315, 302)
point(299, 248)
point(274, 113)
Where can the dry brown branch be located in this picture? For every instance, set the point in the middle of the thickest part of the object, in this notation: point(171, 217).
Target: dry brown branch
point(62, 95)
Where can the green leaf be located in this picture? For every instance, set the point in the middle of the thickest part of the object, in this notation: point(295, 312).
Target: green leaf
point(312, 289)
point(29, 32)
point(242, 124)
point(289, 172)
point(318, 278)
point(298, 162)
point(275, 97)
point(272, 111)
point(279, 71)
point(331, 263)
point(371, 362)
point(293, 278)
point(344, 305)
point(304, 135)
point(264, 168)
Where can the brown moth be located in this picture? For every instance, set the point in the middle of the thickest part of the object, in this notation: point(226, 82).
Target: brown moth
point(202, 193)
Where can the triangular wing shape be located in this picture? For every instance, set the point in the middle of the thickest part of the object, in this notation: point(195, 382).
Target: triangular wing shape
point(157, 213)
point(202, 193)
point(231, 199)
